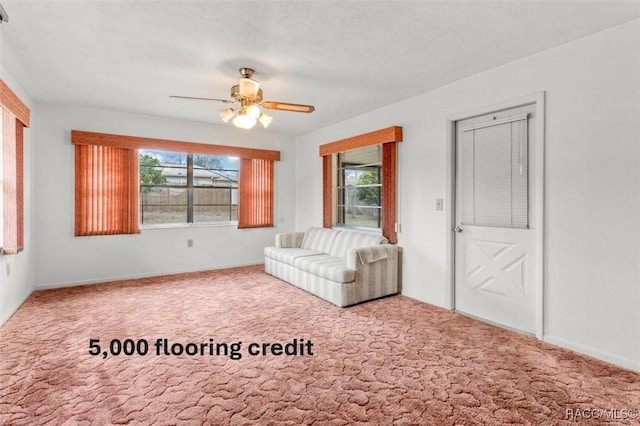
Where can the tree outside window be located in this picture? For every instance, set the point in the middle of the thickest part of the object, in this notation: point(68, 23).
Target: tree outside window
point(359, 188)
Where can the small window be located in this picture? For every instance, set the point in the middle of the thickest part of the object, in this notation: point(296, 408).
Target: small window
point(187, 188)
point(494, 173)
point(359, 187)
point(359, 182)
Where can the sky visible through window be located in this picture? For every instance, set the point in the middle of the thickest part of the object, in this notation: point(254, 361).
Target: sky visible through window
point(180, 158)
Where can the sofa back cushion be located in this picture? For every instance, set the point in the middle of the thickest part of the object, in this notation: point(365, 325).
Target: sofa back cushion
point(318, 239)
point(347, 240)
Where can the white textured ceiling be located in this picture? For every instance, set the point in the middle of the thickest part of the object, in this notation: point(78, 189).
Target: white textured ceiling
point(344, 57)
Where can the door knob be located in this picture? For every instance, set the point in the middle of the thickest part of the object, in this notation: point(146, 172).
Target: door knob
point(458, 228)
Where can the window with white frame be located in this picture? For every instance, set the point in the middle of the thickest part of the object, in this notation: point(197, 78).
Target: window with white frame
point(359, 187)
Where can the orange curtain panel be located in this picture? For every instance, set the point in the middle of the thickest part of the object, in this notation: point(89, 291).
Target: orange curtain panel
point(256, 183)
point(106, 192)
point(15, 117)
point(389, 188)
point(13, 182)
point(327, 192)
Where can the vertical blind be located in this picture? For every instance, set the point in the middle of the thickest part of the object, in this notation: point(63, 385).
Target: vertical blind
point(107, 187)
point(327, 191)
point(13, 181)
point(389, 164)
point(15, 117)
point(256, 183)
point(494, 173)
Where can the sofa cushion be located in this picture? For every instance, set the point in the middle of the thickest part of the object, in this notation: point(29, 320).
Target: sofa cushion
point(326, 266)
point(318, 239)
point(288, 255)
point(347, 240)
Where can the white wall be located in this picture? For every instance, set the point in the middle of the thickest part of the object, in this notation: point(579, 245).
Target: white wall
point(16, 271)
point(63, 259)
point(592, 293)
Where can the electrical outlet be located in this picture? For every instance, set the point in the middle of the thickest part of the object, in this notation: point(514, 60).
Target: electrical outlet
point(190, 243)
point(8, 269)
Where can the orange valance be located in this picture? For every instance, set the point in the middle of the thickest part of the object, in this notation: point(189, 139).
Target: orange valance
point(377, 137)
point(80, 137)
point(12, 103)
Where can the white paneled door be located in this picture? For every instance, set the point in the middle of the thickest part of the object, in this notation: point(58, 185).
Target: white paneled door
point(494, 240)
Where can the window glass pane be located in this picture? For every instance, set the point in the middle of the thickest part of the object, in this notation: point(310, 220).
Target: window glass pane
point(360, 187)
point(215, 213)
point(163, 168)
point(163, 205)
point(495, 175)
point(182, 188)
point(359, 196)
point(212, 195)
point(365, 176)
point(492, 176)
point(211, 170)
point(163, 214)
point(360, 206)
point(361, 216)
point(211, 162)
point(163, 196)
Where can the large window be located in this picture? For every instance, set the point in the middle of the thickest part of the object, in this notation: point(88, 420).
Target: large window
point(359, 186)
point(122, 181)
point(187, 188)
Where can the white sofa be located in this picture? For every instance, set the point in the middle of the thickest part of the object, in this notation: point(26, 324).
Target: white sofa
point(342, 267)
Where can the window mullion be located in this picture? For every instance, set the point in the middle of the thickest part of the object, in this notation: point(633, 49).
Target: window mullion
point(189, 188)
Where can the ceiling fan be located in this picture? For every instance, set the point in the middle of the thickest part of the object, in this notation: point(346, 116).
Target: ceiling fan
point(249, 95)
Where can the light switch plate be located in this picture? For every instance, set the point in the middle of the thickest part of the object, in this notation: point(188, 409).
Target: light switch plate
point(439, 203)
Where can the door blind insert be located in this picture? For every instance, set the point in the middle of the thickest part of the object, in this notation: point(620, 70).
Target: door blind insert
point(494, 178)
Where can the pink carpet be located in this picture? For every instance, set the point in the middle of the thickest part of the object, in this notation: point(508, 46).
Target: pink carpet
point(393, 361)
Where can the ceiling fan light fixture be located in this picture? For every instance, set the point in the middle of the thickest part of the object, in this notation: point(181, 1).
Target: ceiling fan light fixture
point(253, 111)
point(265, 120)
point(249, 95)
point(243, 121)
point(248, 87)
point(227, 114)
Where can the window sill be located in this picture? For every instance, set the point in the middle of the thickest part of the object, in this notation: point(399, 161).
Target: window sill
point(187, 225)
point(376, 231)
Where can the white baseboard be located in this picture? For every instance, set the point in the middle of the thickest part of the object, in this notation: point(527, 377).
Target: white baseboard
point(624, 362)
point(62, 284)
point(427, 300)
point(5, 317)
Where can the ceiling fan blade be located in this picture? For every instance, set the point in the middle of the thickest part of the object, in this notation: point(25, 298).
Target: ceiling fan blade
point(283, 106)
point(203, 99)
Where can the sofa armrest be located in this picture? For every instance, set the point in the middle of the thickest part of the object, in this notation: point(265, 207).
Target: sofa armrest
point(290, 240)
point(363, 256)
point(376, 270)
